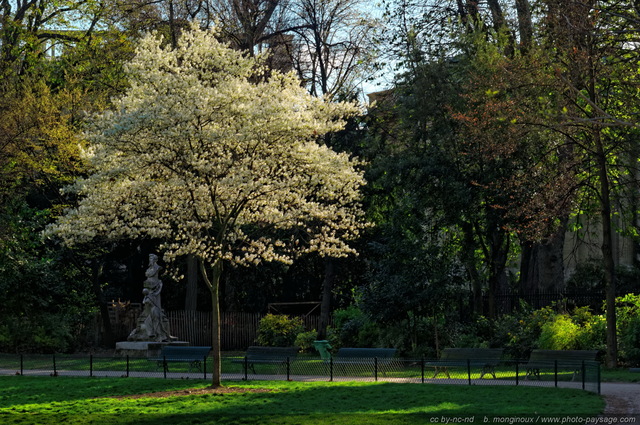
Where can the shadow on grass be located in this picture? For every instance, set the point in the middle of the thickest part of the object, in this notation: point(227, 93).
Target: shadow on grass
point(18, 390)
point(291, 403)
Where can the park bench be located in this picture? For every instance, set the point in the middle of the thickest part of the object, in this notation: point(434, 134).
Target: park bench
point(485, 358)
point(572, 360)
point(174, 354)
point(266, 355)
point(361, 355)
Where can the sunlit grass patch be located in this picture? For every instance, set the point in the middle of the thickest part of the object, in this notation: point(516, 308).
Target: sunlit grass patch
point(36, 400)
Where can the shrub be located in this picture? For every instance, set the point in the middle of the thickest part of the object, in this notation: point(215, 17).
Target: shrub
point(630, 341)
point(592, 333)
point(628, 311)
point(352, 328)
point(5, 338)
point(519, 333)
point(304, 340)
point(559, 334)
point(279, 330)
point(46, 333)
point(477, 334)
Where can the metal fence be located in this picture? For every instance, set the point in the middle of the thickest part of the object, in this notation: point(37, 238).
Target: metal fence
point(585, 375)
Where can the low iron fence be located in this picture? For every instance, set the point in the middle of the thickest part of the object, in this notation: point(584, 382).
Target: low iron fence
point(585, 375)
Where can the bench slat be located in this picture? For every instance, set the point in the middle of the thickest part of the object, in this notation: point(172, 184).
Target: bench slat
point(485, 358)
point(266, 355)
point(563, 359)
point(366, 352)
point(193, 355)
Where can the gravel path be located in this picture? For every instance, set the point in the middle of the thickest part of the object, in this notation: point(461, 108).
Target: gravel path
point(622, 399)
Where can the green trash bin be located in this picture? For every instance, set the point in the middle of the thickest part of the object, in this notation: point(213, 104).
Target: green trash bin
point(323, 348)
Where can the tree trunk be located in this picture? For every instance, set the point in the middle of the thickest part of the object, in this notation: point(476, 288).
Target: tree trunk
point(498, 255)
point(607, 252)
point(469, 261)
point(98, 268)
point(525, 26)
point(214, 285)
point(191, 297)
point(172, 26)
point(542, 266)
point(327, 292)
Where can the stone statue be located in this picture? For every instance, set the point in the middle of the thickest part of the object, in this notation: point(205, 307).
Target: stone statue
point(152, 325)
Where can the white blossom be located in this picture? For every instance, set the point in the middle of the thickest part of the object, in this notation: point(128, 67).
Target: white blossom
point(207, 154)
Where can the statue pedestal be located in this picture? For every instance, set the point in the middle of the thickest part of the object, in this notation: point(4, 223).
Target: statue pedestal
point(143, 348)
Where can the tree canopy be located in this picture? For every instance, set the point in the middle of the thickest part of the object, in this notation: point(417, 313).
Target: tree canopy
point(218, 159)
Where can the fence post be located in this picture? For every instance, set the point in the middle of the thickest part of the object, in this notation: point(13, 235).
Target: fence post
point(55, 370)
point(165, 366)
point(91, 365)
point(517, 373)
point(331, 369)
point(469, 370)
point(422, 368)
point(598, 373)
point(288, 369)
point(127, 366)
point(21, 364)
point(246, 368)
point(375, 368)
point(584, 369)
point(204, 367)
point(555, 372)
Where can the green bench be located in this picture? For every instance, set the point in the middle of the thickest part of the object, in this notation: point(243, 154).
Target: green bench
point(266, 355)
point(195, 356)
point(572, 360)
point(361, 355)
point(375, 357)
point(485, 358)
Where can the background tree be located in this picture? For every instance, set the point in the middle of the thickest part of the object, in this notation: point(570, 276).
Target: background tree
point(232, 175)
point(55, 66)
point(584, 37)
point(334, 50)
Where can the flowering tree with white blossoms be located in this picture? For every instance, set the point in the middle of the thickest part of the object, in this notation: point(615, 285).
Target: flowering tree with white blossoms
point(217, 157)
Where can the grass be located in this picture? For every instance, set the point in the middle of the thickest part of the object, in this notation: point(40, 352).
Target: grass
point(619, 375)
point(43, 400)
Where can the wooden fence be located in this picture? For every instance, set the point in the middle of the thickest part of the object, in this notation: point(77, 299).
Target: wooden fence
point(238, 330)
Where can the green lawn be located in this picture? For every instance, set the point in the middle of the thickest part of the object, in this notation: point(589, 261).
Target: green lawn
point(43, 400)
point(619, 375)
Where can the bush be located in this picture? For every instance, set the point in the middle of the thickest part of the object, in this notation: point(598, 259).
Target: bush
point(519, 333)
point(559, 334)
point(630, 341)
point(628, 311)
point(279, 330)
point(474, 335)
point(592, 334)
point(43, 334)
point(353, 328)
point(304, 340)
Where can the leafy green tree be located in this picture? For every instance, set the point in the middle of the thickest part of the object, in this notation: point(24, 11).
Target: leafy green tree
point(52, 73)
point(46, 303)
point(582, 39)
